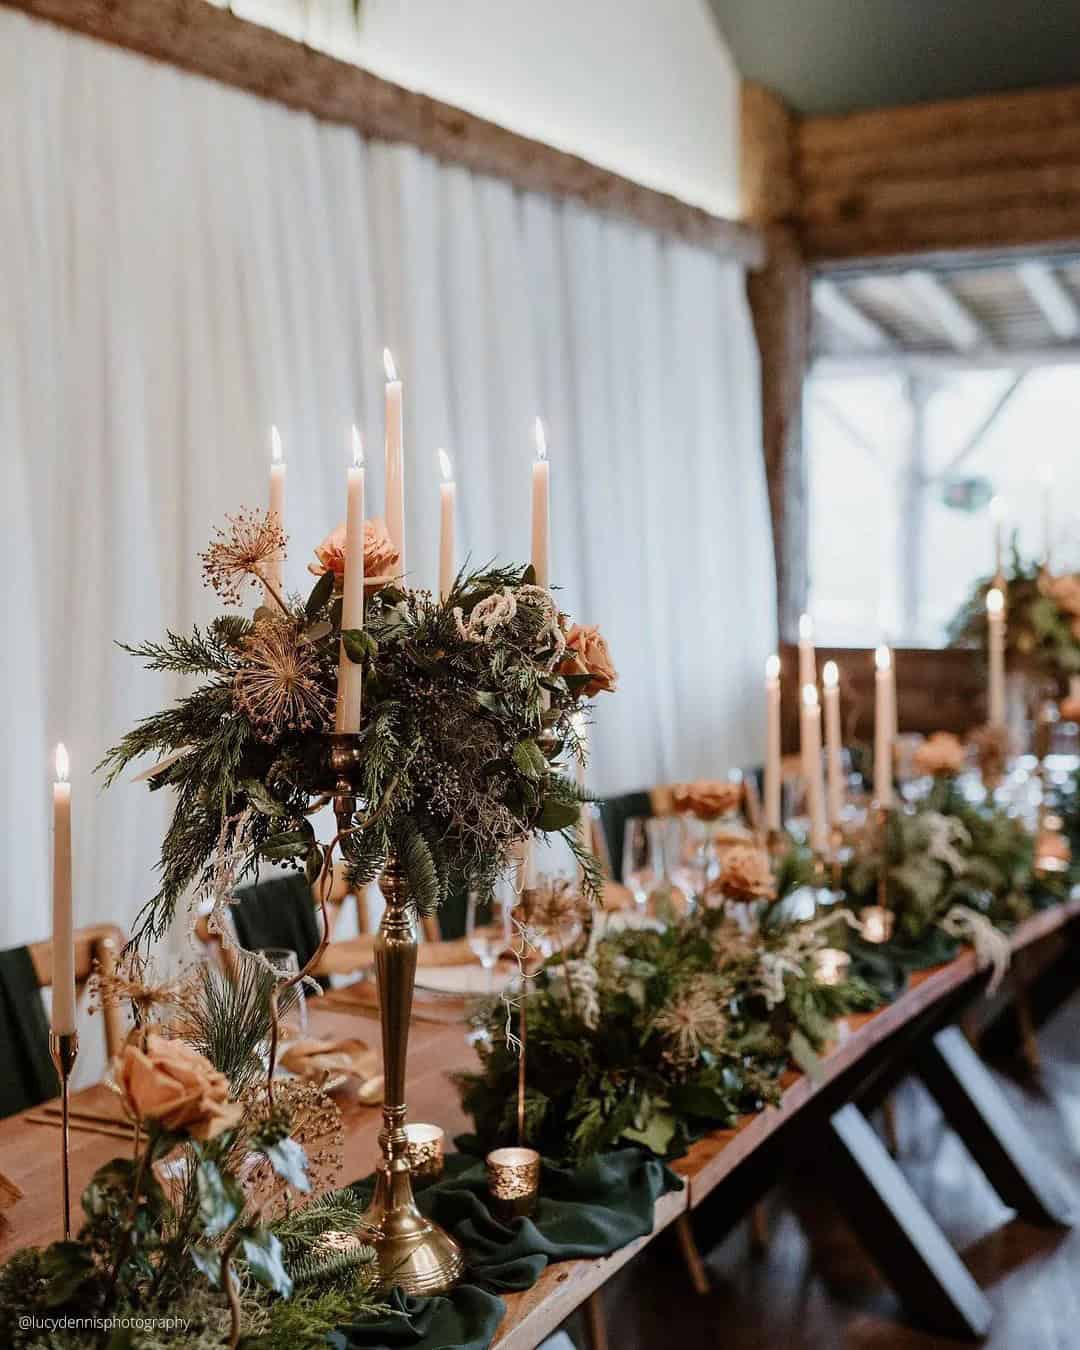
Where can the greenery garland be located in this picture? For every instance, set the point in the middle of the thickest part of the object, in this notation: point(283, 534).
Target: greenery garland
point(660, 1034)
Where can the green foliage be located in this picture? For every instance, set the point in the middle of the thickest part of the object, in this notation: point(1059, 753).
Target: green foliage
point(607, 1066)
point(229, 1019)
point(1039, 635)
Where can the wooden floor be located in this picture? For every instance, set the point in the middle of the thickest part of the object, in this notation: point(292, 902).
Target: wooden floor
point(823, 1294)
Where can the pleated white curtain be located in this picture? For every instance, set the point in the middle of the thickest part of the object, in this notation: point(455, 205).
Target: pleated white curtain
point(182, 264)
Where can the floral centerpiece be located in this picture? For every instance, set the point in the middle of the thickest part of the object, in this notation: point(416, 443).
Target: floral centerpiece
point(1043, 628)
point(469, 709)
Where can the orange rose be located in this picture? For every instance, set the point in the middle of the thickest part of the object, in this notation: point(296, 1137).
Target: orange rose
point(707, 799)
point(380, 556)
point(942, 755)
point(745, 874)
point(587, 654)
point(1070, 709)
point(167, 1081)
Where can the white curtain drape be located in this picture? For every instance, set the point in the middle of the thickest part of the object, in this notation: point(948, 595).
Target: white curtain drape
point(182, 264)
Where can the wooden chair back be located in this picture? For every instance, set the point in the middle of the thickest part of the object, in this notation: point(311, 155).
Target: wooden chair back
point(98, 944)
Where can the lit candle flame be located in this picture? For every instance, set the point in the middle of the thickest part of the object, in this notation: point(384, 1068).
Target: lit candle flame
point(357, 447)
point(541, 439)
point(62, 762)
point(275, 445)
point(772, 667)
point(809, 695)
point(445, 466)
point(830, 675)
point(882, 657)
point(388, 364)
point(995, 601)
point(806, 627)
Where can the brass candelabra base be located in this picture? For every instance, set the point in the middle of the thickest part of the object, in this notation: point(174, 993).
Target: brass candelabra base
point(413, 1253)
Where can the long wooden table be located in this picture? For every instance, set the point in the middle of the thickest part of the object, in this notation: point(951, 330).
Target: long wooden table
point(29, 1151)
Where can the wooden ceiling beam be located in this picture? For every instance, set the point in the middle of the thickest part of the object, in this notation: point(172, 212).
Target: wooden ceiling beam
point(213, 42)
point(1049, 292)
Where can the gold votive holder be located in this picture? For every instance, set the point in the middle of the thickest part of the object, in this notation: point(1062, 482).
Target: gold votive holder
point(876, 923)
point(831, 965)
point(425, 1149)
point(513, 1181)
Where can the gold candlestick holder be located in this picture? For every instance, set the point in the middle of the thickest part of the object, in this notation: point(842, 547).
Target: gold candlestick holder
point(64, 1049)
point(412, 1252)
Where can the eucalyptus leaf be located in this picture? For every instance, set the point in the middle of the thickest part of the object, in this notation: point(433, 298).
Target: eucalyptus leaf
point(317, 631)
point(359, 645)
point(320, 595)
point(556, 814)
point(220, 1198)
point(289, 843)
point(207, 1260)
point(289, 1161)
point(656, 1133)
point(263, 1253)
point(261, 799)
point(529, 759)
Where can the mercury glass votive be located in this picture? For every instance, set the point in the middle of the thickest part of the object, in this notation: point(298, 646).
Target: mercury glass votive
point(831, 965)
point(513, 1181)
point(876, 923)
point(425, 1150)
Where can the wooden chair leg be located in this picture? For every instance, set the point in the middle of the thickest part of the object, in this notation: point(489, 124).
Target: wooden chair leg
point(595, 1323)
point(699, 1276)
point(888, 1120)
point(759, 1229)
point(1029, 1045)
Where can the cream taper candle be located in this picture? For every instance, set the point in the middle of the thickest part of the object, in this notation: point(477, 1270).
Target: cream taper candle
point(830, 681)
point(63, 941)
point(447, 503)
point(811, 767)
point(884, 693)
point(772, 743)
point(395, 461)
point(807, 655)
point(995, 623)
point(541, 508)
point(276, 564)
point(347, 714)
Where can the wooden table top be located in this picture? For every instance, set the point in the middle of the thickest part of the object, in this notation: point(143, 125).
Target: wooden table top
point(29, 1151)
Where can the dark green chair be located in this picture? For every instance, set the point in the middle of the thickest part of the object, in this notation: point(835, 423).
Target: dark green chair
point(27, 1076)
point(614, 813)
point(278, 912)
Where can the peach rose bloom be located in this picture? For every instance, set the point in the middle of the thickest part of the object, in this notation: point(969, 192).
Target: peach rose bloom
point(380, 556)
point(707, 799)
point(168, 1081)
point(1070, 709)
point(943, 755)
point(587, 654)
point(745, 874)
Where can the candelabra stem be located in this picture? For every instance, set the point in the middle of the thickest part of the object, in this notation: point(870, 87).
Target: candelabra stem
point(64, 1049)
point(413, 1252)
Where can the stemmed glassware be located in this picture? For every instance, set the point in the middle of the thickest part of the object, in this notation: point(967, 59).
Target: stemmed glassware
point(487, 931)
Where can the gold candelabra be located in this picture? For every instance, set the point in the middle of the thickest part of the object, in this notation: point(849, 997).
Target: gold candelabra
point(412, 1251)
point(64, 1049)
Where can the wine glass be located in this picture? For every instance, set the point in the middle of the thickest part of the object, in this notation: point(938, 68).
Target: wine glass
point(487, 931)
point(286, 966)
point(641, 860)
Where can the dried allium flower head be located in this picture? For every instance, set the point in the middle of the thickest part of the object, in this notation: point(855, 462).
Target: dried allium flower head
point(277, 687)
point(942, 755)
point(707, 799)
point(314, 1122)
point(745, 874)
point(552, 905)
point(132, 984)
point(693, 1023)
point(239, 554)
